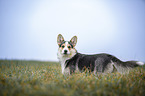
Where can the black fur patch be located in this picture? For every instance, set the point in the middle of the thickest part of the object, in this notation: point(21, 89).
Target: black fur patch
point(70, 44)
point(62, 43)
point(88, 62)
point(97, 62)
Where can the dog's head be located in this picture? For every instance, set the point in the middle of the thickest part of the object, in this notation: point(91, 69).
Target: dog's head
point(66, 47)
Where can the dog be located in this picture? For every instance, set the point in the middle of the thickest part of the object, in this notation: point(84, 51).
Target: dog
point(72, 61)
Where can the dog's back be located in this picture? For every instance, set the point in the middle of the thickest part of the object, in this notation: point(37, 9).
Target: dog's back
point(99, 63)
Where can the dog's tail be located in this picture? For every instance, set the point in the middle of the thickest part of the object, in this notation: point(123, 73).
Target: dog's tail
point(123, 67)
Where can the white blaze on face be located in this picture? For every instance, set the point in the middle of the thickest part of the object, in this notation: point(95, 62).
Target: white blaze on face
point(66, 49)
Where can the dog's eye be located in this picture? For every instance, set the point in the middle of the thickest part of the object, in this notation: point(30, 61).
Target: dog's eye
point(69, 47)
point(62, 46)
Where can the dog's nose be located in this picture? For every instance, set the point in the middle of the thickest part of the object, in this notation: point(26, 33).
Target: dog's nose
point(65, 51)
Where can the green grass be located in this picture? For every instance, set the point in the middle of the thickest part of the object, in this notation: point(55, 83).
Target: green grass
point(22, 78)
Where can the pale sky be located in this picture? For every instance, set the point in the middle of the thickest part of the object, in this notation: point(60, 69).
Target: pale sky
point(29, 28)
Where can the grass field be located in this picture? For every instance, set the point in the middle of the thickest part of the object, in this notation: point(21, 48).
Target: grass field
point(35, 78)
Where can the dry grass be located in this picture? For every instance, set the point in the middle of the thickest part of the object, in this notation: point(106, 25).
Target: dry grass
point(45, 78)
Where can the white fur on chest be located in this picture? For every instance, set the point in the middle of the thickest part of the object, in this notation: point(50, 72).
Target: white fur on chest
point(62, 60)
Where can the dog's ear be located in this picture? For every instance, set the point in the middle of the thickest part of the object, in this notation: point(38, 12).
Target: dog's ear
point(74, 41)
point(60, 39)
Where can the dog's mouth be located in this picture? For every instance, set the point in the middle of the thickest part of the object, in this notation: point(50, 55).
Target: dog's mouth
point(65, 52)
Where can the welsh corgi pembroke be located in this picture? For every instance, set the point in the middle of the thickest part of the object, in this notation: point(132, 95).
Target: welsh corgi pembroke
point(72, 61)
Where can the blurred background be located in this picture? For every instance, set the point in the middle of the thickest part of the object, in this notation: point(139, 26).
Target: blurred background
point(29, 28)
